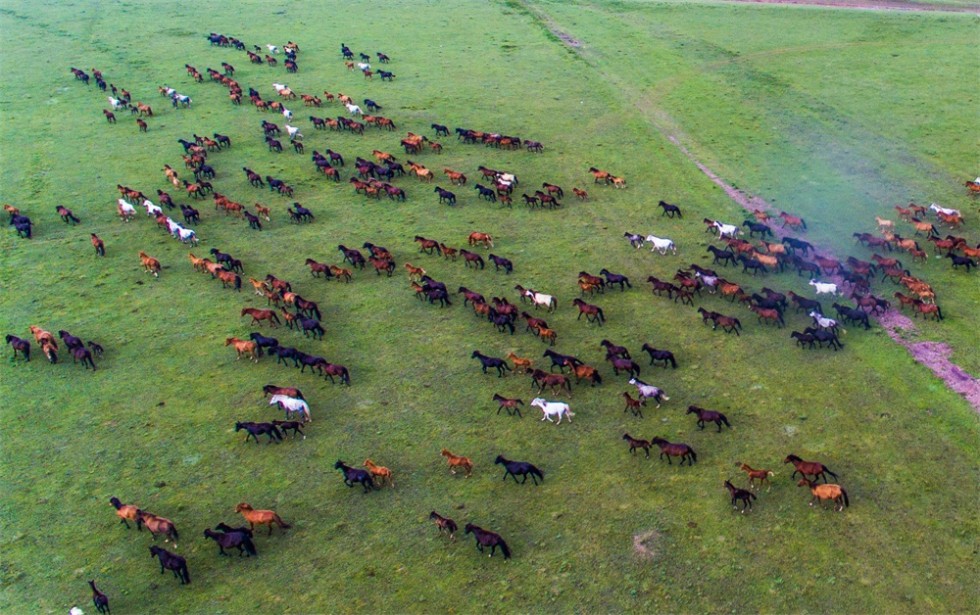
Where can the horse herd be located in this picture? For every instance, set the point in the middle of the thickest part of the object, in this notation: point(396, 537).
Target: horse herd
point(756, 259)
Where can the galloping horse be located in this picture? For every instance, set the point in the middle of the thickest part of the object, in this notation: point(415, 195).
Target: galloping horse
point(260, 315)
point(685, 452)
point(808, 468)
point(457, 461)
point(826, 492)
point(486, 538)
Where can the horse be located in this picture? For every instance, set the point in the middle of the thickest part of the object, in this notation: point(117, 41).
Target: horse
point(756, 227)
point(553, 408)
point(725, 256)
point(125, 512)
point(661, 244)
point(556, 382)
point(660, 355)
point(445, 524)
point(66, 215)
point(383, 474)
point(491, 362)
point(355, 475)
point(761, 475)
point(670, 210)
point(260, 517)
point(260, 315)
point(539, 299)
point(593, 313)
point(150, 264)
point(615, 278)
point(271, 389)
point(961, 261)
point(500, 262)
point(648, 391)
point(708, 416)
point(239, 540)
point(157, 525)
point(457, 461)
point(685, 452)
point(292, 405)
point(174, 563)
point(20, 345)
point(257, 429)
point(633, 405)
point(477, 237)
point(513, 468)
point(808, 468)
point(244, 348)
point(625, 365)
point(100, 600)
point(826, 492)
point(740, 494)
point(794, 222)
point(472, 257)
point(485, 538)
point(824, 287)
point(925, 309)
point(508, 404)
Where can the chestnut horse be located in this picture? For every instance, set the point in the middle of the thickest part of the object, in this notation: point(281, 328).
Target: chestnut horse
point(260, 517)
point(457, 461)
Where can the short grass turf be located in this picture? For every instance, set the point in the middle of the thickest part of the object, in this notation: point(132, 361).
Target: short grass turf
point(154, 425)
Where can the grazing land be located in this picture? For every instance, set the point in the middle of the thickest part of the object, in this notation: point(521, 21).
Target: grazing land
point(832, 115)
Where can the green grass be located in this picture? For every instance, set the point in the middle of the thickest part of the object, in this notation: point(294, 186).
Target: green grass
point(154, 425)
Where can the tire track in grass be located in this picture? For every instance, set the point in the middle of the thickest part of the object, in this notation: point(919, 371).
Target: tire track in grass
point(933, 355)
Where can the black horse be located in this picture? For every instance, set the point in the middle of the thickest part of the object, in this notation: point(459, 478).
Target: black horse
point(561, 360)
point(615, 278)
point(284, 352)
point(500, 262)
point(174, 563)
point(445, 196)
point(725, 256)
point(286, 426)
point(256, 429)
point(84, 355)
point(740, 494)
point(486, 538)
point(855, 315)
point(501, 321)
point(355, 475)
point(263, 342)
point(757, 227)
point(70, 340)
point(519, 467)
point(491, 362)
point(670, 210)
point(310, 325)
point(191, 215)
point(228, 540)
point(660, 355)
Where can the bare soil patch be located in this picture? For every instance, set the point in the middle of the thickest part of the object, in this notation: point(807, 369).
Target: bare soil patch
point(647, 544)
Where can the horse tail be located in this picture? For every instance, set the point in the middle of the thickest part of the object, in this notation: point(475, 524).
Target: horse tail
point(281, 523)
point(803, 222)
point(249, 546)
point(540, 474)
point(276, 432)
point(504, 549)
point(238, 282)
point(846, 501)
point(554, 303)
point(724, 419)
point(275, 317)
point(187, 575)
point(827, 470)
point(673, 363)
point(345, 376)
point(173, 532)
point(316, 312)
point(694, 455)
point(602, 316)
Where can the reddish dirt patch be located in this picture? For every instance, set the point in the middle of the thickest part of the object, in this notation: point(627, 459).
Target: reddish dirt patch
point(645, 544)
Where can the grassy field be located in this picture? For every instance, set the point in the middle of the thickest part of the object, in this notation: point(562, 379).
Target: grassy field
point(154, 425)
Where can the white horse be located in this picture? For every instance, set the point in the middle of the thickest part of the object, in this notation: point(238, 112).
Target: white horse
point(661, 244)
point(294, 133)
point(116, 103)
point(726, 230)
point(710, 281)
point(151, 209)
point(363, 66)
point(508, 179)
point(353, 109)
point(552, 408)
point(187, 235)
point(172, 226)
point(279, 87)
point(823, 321)
point(944, 210)
point(824, 288)
point(292, 404)
point(273, 49)
point(286, 113)
point(181, 99)
point(541, 300)
point(648, 391)
point(125, 209)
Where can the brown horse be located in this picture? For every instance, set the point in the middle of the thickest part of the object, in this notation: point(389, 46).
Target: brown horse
point(444, 524)
point(150, 264)
point(485, 238)
point(685, 452)
point(808, 468)
point(508, 404)
point(521, 365)
point(260, 315)
point(637, 443)
point(157, 525)
point(260, 517)
point(125, 512)
point(340, 273)
point(457, 461)
point(635, 406)
point(229, 278)
point(380, 473)
point(826, 492)
point(244, 348)
point(761, 475)
point(42, 336)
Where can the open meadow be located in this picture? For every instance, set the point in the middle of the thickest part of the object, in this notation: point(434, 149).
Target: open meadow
point(832, 115)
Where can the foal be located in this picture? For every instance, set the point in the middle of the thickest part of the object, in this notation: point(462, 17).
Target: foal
point(445, 524)
point(740, 494)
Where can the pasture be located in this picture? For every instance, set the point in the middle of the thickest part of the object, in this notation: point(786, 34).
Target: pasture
point(827, 114)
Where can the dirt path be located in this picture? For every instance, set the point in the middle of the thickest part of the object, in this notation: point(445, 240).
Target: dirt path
point(934, 355)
